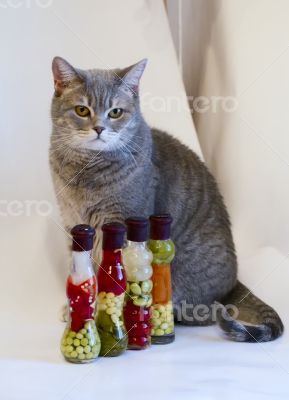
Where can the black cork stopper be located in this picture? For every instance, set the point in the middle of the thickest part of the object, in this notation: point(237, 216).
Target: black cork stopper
point(113, 236)
point(82, 237)
point(137, 229)
point(160, 226)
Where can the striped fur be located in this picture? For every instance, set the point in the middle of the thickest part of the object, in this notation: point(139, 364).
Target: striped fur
point(140, 171)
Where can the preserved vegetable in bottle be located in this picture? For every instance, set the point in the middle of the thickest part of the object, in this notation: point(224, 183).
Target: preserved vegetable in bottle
point(163, 250)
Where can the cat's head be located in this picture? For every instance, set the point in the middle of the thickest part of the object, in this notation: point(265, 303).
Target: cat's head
point(95, 109)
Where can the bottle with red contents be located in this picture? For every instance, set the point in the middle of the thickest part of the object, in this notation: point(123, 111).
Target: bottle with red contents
point(80, 342)
point(112, 285)
point(137, 260)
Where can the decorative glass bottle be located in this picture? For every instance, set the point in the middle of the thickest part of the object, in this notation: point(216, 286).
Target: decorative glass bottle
point(112, 285)
point(80, 342)
point(163, 250)
point(137, 260)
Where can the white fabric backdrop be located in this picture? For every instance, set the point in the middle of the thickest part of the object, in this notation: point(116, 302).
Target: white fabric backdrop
point(200, 364)
point(240, 49)
point(243, 53)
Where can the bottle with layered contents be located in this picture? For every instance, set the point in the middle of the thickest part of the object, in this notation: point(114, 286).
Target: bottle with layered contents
point(80, 342)
point(137, 260)
point(112, 286)
point(163, 250)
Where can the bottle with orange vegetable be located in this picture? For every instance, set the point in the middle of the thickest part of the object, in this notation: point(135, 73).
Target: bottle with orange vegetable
point(163, 250)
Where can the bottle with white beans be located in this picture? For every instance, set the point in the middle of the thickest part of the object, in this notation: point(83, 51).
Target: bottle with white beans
point(137, 259)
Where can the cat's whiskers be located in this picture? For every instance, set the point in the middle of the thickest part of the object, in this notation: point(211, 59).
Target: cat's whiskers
point(58, 147)
point(66, 157)
point(132, 148)
point(139, 152)
point(59, 142)
point(131, 143)
point(123, 146)
point(63, 138)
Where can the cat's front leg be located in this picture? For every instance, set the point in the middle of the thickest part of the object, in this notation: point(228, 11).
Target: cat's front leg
point(96, 256)
point(96, 220)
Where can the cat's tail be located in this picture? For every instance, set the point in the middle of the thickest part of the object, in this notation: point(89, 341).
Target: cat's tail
point(255, 322)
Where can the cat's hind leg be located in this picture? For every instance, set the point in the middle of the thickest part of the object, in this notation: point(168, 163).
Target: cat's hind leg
point(201, 275)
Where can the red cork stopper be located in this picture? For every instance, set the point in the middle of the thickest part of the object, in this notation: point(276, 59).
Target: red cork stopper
point(137, 229)
point(113, 236)
point(82, 237)
point(160, 226)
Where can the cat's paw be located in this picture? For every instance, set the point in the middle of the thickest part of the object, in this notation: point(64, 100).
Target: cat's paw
point(64, 313)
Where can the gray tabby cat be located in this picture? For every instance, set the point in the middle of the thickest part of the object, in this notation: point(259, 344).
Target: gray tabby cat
point(108, 164)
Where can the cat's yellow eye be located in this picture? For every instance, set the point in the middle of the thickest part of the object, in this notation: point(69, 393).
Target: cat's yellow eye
point(115, 113)
point(82, 111)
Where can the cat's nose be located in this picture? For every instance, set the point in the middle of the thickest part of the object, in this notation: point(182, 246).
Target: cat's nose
point(98, 129)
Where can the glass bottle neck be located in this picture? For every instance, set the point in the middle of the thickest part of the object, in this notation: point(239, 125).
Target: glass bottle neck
point(81, 266)
point(111, 257)
point(139, 245)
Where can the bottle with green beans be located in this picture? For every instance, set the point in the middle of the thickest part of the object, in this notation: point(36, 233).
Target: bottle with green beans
point(80, 342)
point(137, 260)
point(163, 250)
point(112, 286)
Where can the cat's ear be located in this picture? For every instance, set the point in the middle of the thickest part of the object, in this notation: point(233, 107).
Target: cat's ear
point(131, 76)
point(63, 74)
